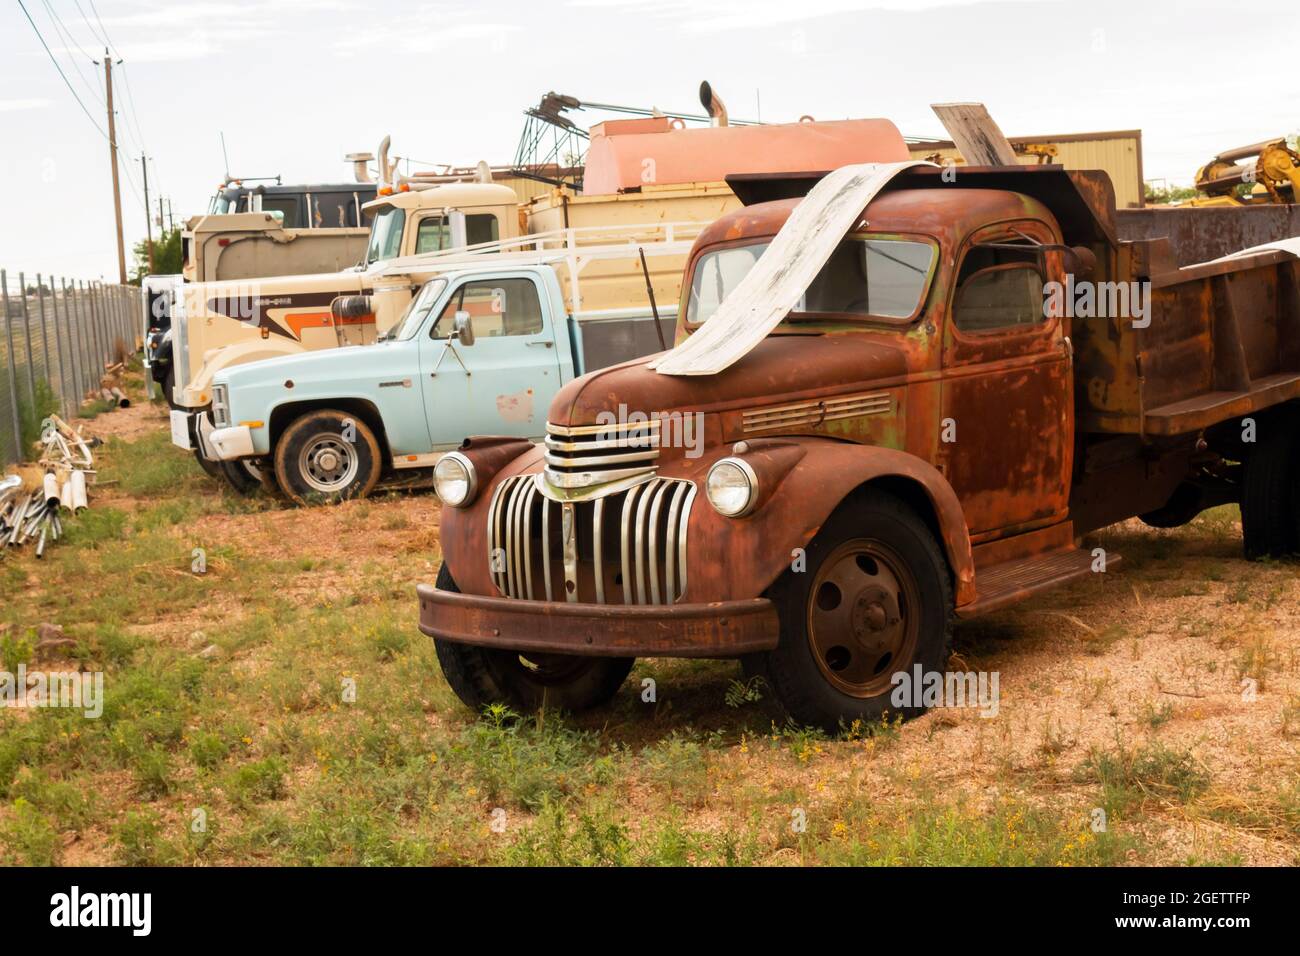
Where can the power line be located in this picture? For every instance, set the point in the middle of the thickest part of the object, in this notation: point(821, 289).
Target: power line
point(61, 73)
point(70, 41)
point(132, 114)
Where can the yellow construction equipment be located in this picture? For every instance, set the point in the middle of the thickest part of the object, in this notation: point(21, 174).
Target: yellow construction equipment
point(1275, 174)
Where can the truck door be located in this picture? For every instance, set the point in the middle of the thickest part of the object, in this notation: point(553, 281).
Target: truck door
point(1006, 439)
point(504, 382)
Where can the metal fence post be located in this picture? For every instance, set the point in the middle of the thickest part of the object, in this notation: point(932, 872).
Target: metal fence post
point(78, 338)
point(45, 329)
point(88, 323)
point(9, 365)
point(74, 360)
point(59, 337)
point(27, 341)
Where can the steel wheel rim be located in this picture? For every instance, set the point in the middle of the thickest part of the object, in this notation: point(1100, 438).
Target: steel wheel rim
point(328, 464)
point(863, 617)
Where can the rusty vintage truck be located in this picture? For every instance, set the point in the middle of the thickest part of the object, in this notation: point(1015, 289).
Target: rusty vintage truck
point(927, 433)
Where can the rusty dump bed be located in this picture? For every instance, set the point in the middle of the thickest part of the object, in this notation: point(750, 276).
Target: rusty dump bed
point(1220, 339)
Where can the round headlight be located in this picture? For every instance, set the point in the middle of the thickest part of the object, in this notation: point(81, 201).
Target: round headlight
point(732, 487)
point(454, 479)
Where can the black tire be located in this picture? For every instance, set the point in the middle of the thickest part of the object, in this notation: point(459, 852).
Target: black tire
point(242, 476)
point(884, 540)
point(169, 383)
point(482, 676)
point(213, 468)
point(317, 440)
point(265, 470)
point(1183, 505)
point(1270, 494)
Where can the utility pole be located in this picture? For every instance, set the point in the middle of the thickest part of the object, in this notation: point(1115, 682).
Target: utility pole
point(162, 220)
point(112, 155)
point(148, 226)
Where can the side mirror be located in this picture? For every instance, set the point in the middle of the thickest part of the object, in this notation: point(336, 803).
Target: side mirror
point(463, 328)
point(1080, 261)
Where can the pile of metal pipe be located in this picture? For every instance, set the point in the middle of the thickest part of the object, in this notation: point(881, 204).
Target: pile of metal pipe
point(27, 516)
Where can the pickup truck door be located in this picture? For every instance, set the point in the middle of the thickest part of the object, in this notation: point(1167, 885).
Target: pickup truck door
point(504, 382)
point(1006, 436)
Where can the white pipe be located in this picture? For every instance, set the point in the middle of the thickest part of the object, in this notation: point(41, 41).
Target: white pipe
point(79, 491)
point(51, 490)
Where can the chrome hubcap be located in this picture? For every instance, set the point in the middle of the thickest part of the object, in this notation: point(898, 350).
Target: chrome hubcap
point(328, 463)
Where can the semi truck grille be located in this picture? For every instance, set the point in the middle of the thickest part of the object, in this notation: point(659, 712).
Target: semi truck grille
point(625, 548)
point(587, 455)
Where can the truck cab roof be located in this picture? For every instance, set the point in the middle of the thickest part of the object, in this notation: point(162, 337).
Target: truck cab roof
point(943, 214)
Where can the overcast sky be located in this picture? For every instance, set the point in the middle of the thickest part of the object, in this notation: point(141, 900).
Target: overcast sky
point(295, 84)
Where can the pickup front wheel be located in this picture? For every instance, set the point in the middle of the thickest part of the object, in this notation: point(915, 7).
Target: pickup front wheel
point(327, 456)
point(874, 600)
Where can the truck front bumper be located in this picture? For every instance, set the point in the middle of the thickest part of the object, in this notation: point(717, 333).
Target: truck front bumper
point(716, 630)
point(227, 444)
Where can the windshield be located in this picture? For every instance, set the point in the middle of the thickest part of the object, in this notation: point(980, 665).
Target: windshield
point(885, 278)
point(386, 235)
point(413, 317)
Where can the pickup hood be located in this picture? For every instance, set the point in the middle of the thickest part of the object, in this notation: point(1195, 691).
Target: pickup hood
point(782, 368)
point(320, 365)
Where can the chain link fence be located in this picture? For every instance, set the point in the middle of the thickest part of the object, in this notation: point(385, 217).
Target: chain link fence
point(57, 338)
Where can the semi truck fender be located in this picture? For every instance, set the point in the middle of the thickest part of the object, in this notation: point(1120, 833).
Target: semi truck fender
point(200, 388)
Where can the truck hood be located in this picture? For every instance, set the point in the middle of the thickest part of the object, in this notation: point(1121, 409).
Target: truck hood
point(315, 365)
point(780, 369)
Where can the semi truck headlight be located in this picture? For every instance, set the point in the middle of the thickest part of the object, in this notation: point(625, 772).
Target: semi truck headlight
point(454, 479)
point(732, 487)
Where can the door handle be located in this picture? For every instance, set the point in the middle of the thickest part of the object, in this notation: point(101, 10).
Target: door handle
point(543, 342)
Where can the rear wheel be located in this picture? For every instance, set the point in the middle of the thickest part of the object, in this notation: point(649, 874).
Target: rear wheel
point(874, 601)
point(1270, 496)
point(527, 682)
point(328, 456)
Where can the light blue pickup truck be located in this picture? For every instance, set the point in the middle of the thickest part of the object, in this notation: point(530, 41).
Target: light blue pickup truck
point(479, 351)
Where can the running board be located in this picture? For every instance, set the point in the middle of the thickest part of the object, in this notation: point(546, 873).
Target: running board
point(1000, 585)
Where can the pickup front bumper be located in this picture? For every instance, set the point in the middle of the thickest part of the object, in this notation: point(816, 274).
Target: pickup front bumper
point(717, 630)
point(227, 444)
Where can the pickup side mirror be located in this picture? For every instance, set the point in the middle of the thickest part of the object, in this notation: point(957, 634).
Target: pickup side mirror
point(462, 329)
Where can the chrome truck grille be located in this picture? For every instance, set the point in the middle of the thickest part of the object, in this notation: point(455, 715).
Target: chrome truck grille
point(624, 548)
point(588, 455)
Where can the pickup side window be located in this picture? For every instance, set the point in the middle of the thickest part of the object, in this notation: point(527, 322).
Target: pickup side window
point(498, 307)
point(434, 232)
point(998, 289)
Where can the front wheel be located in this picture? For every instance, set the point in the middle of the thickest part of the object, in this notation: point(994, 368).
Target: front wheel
point(874, 601)
point(328, 456)
point(481, 676)
point(243, 476)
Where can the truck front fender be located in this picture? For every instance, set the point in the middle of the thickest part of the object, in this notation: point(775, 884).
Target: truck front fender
point(199, 391)
point(736, 558)
point(733, 558)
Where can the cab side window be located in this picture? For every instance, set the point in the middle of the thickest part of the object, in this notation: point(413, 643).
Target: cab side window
point(498, 307)
point(434, 232)
point(998, 289)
